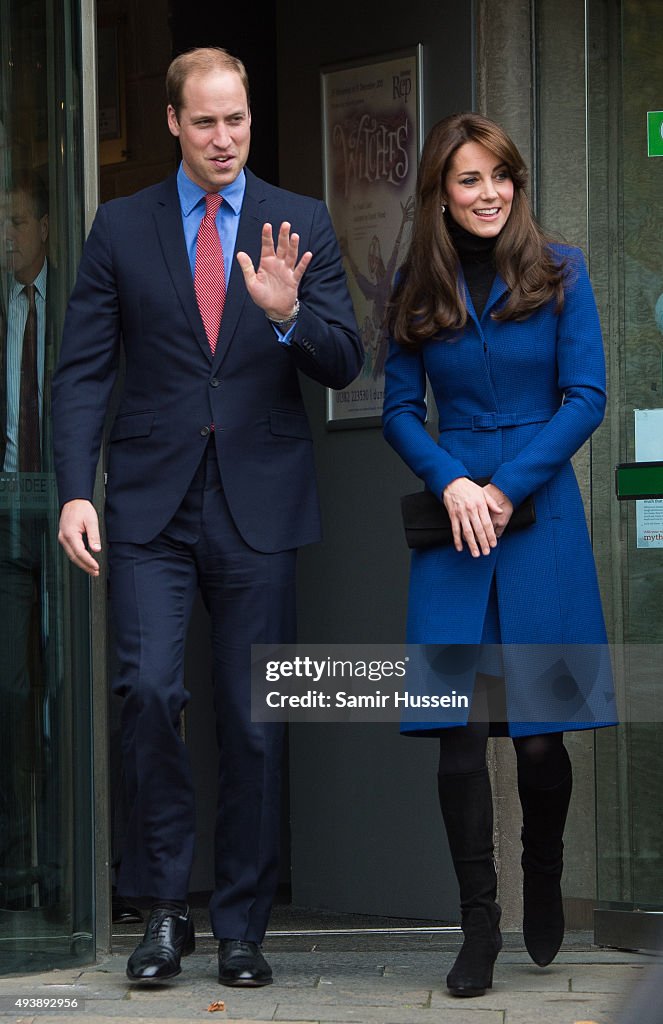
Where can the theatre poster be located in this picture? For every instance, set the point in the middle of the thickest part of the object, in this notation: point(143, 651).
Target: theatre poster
point(371, 142)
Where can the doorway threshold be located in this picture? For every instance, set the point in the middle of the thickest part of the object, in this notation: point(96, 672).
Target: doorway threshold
point(403, 930)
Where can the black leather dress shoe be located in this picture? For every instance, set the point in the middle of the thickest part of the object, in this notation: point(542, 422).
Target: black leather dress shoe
point(242, 964)
point(124, 912)
point(168, 936)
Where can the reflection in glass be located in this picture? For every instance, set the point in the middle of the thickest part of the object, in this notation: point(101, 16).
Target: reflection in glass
point(45, 816)
point(625, 229)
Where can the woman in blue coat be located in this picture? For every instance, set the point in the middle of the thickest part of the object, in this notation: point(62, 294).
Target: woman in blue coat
point(504, 325)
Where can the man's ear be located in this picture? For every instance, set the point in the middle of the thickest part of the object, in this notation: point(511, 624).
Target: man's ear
point(43, 227)
point(173, 123)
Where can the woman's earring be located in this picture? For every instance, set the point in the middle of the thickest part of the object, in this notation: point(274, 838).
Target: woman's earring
point(442, 208)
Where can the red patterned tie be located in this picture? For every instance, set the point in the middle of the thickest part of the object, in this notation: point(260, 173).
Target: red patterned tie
point(209, 278)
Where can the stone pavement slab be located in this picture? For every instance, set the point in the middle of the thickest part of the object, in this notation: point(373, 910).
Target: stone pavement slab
point(601, 978)
point(359, 985)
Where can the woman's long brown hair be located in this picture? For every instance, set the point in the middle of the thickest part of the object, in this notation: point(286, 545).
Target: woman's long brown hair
point(428, 297)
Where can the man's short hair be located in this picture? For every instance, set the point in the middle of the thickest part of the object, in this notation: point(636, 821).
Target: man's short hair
point(200, 61)
point(33, 186)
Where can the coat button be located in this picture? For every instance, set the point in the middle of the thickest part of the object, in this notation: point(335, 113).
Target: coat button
point(214, 383)
point(204, 431)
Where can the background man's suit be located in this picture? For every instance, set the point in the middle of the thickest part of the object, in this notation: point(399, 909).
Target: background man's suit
point(51, 345)
point(191, 425)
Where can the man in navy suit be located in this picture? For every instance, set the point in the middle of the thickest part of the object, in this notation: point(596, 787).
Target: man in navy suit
point(210, 485)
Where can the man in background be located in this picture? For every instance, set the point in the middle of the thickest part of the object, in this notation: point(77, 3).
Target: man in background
point(27, 557)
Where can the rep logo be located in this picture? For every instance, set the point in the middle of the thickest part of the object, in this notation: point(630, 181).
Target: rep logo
point(401, 86)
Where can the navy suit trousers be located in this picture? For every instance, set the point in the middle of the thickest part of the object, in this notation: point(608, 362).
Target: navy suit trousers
point(250, 597)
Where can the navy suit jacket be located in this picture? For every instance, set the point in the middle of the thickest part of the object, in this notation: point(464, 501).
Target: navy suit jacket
point(135, 290)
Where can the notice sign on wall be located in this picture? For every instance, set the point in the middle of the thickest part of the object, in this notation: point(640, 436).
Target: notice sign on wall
point(649, 448)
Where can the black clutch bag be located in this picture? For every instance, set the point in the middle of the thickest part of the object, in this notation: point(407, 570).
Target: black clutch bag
point(427, 523)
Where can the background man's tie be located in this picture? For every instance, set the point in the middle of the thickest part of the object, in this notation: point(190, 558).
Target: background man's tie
point(29, 446)
point(209, 279)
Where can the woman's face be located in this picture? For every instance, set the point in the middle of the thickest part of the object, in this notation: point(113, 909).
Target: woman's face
point(479, 190)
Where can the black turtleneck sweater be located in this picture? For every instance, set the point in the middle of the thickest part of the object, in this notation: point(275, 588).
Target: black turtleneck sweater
point(477, 258)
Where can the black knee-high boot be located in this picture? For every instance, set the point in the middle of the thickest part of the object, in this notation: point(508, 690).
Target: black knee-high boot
point(544, 817)
point(467, 809)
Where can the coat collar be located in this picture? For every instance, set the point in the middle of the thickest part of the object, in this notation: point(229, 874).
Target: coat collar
point(498, 289)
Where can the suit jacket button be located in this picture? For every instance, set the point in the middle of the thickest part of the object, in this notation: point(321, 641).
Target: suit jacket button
point(204, 431)
point(214, 383)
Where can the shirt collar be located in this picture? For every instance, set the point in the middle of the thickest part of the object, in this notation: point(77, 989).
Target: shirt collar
point(191, 194)
point(39, 283)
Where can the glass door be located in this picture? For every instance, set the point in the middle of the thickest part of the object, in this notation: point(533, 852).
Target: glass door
point(46, 831)
point(625, 157)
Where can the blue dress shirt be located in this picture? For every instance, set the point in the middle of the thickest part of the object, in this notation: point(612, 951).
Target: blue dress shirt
point(192, 203)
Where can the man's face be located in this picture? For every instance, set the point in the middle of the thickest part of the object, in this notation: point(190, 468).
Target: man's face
point(214, 128)
point(25, 237)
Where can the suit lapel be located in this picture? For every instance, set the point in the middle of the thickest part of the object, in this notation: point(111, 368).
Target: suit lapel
point(251, 220)
point(49, 359)
point(168, 219)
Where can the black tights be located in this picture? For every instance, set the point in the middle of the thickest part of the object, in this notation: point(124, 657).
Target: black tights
point(543, 761)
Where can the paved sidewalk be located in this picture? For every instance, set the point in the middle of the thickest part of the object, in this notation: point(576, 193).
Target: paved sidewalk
point(346, 979)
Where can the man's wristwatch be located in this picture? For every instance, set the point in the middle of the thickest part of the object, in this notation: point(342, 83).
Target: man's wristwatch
point(285, 325)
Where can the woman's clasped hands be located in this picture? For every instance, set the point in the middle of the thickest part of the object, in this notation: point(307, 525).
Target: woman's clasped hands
point(479, 515)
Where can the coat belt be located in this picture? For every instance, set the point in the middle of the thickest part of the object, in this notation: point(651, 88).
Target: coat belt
point(495, 420)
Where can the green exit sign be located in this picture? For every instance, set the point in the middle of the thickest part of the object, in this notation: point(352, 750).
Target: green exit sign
point(634, 480)
point(655, 133)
